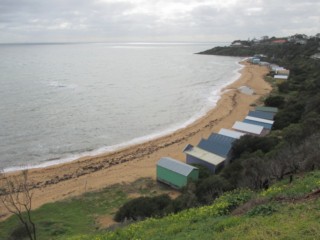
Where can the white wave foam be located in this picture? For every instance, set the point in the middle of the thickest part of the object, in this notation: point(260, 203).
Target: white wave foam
point(57, 84)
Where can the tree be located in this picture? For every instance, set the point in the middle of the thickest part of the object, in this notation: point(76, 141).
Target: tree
point(211, 188)
point(274, 101)
point(16, 197)
point(143, 207)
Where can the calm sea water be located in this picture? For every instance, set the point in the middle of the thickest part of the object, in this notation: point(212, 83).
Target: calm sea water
point(59, 102)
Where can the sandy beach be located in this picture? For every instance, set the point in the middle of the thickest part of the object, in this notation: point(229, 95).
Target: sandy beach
point(93, 173)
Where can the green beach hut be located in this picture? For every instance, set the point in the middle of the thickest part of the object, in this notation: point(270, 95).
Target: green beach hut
point(175, 173)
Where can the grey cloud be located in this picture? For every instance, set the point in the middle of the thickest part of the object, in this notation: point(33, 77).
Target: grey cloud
point(82, 20)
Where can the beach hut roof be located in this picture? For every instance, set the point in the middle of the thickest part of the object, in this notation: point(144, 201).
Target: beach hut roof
point(204, 155)
point(246, 127)
point(259, 120)
point(218, 144)
point(221, 139)
point(262, 124)
point(262, 114)
point(280, 76)
point(176, 166)
point(267, 109)
point(231, 133)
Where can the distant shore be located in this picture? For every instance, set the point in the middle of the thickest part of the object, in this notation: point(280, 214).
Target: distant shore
point(96, 172)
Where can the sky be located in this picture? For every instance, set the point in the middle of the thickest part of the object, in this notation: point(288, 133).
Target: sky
point(154, 20)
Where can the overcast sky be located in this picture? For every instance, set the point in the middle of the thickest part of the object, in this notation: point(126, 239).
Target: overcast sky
point(154, 20)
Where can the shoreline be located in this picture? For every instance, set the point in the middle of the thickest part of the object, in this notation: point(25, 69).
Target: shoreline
point(92, 173)
point(137, 140)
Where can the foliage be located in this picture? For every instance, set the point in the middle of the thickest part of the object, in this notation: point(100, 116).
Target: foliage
point(262, 210)
point(17, 198)
point(143, 207)
point(80, 215)
point(250, 144)
point(275, 101)
point(211, 188)
point(267, 221)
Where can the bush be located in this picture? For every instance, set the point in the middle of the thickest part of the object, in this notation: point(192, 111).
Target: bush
point(211, 188)
point(275, 101)
point(262, 210)
point(250, 144)
point(19, 233)
point(143, 207)
point(203, 171)
point(184, 201)
point(291, 114)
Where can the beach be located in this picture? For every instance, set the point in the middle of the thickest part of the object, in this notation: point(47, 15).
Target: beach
point(92, 173)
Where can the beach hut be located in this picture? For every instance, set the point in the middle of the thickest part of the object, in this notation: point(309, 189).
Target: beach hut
point(175, 173)
point(264, 64)
point(260, 120)
point(262, 114)
point(217, 144)
point(267, 109)
point(231, 133)
point(282, 77)
point(248, 128)
point(196, 155)
point(255, 60)
point(262, 124)
point(285, 72)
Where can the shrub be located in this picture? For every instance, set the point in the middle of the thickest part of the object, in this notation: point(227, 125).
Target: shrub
point(211, 188)
point(143, 207)
point(262, 210)
point(274, 101)
point(250, 144)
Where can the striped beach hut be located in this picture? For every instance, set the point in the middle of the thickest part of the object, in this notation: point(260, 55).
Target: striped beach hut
point(282, 77)
point(175, 173)
point(217, 144)
point(266, 109)
point(267, 124)
point(248, 128)
point(196, 155)
point(231, 133)
point(262, 114)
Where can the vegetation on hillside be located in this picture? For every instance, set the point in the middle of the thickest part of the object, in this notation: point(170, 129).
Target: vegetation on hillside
point(200, 212)
point(284, 211)
point(88, 213)
point(257, 162)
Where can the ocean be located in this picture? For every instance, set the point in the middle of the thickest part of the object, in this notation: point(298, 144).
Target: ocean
point(59, 102)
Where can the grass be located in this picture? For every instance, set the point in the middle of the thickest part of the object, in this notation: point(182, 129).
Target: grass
point(80, 215)
point(269, 219)
point(301, 185)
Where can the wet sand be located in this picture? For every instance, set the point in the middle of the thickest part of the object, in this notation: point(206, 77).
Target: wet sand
point(93, 173)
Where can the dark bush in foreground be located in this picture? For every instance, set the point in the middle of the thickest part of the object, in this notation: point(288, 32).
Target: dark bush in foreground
point(211, 188)
point(250, 144)
point(274, 101)
point(143, 207)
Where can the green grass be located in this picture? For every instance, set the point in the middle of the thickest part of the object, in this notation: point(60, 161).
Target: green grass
point(301, 185)
point(79, 215)
point(270, 214)
point(267, 219)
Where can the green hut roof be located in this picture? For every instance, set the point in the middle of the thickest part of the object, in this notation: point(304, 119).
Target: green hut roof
point(175, 165)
